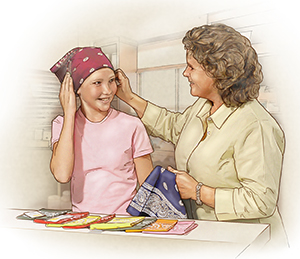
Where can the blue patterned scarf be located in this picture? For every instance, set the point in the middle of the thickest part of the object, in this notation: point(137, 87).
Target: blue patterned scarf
point(158, 197)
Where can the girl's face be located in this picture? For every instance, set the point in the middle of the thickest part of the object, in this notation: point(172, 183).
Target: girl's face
point(201, 84)
point(97, 92)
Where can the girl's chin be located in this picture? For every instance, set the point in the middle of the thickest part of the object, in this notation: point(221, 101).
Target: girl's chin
point(104, 108)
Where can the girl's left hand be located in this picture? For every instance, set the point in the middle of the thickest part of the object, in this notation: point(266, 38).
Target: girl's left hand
point(186, 184)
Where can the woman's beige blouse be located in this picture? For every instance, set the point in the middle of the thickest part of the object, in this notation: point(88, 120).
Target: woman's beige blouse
point(241, 156)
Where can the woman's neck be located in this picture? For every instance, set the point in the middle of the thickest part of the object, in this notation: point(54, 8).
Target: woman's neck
point(215, 107)
point(216, 103)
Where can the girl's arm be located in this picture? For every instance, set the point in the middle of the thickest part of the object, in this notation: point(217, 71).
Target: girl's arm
point(143, 167)
point(62, 160)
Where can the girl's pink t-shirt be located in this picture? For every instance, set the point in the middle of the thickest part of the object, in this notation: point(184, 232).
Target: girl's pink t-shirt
point(104, 179)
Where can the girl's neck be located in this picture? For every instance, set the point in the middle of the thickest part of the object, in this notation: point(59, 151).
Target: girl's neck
point(92, 115)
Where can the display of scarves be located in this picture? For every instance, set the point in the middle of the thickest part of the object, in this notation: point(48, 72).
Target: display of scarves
point(158, 197)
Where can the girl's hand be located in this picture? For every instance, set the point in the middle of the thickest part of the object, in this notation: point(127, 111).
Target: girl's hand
point(67, 96)
point(124, 91)
point(186, 184)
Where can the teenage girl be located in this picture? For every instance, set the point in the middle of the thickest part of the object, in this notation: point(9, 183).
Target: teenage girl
point(104, 152)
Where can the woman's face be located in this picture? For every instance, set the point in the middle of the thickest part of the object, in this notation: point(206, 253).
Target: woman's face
point(201, 84)
point(97, 91)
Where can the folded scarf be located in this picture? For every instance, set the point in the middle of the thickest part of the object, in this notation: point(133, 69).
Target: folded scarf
point(158, 197)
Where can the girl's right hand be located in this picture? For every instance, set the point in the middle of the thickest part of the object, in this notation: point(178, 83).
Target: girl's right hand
point(67, 96)
point(124, 91)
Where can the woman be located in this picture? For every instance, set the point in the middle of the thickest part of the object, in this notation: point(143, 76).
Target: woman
point(228, 149)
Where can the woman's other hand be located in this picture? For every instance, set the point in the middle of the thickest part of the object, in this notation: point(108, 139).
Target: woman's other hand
point(187, 188)
point(67, 96)
point(186, 184)
point(124, 91)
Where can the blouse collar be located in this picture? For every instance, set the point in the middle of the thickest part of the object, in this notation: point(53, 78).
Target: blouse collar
point(219, 117)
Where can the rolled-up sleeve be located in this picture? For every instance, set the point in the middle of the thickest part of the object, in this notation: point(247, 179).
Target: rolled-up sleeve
point(141, 141)
point(258, 155)
point(57, 124)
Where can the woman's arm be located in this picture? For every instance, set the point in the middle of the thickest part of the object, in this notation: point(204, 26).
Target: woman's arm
point(158, 121)
point(125, 93)
point(62, 160)
point(143, 167)
point(258, 161)
point(258, 155)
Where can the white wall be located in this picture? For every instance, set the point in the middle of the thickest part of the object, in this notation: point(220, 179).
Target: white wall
point(37, 33)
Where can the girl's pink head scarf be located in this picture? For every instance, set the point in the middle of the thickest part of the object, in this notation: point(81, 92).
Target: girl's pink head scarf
point(80, 63)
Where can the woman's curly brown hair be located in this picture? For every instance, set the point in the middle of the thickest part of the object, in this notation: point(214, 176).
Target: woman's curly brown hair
point(229, 58)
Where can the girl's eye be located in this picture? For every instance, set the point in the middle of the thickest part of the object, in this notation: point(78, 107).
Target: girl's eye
point(112, 80)
point(97, 83)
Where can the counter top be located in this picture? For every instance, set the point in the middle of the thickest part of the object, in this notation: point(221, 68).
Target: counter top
point(226, 239)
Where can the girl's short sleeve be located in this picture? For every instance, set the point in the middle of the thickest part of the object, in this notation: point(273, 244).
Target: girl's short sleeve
point(57, 124)
point(141, 142)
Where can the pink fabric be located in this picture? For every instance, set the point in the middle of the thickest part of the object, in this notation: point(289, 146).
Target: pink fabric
point(104, 178)
point(80, 63)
